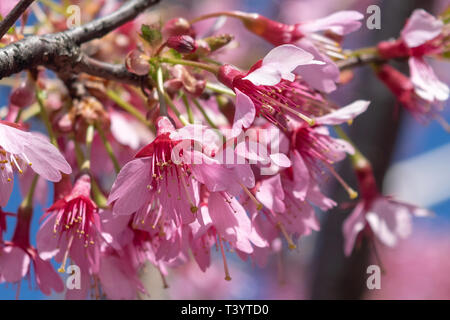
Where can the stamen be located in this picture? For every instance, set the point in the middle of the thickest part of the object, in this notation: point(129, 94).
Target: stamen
point(225, 265)
point(16, 164)
point(288, 238)
point(351, 193)
point(193, 208)
point(62, 268)
point(258, 204)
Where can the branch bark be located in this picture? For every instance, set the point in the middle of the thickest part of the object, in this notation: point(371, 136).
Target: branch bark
point(61, 51)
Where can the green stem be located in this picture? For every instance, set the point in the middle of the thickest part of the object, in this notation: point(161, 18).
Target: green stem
point(205, 115)
point(210, 68)
point(161, 94)
point(40, 96)
point(220, 89)
point(19, 115)
point(127, 107)
point(97, 194)
point(188, 108)
point(175, 110)
point(358, 159)
point(108, 148)
point(78, 153)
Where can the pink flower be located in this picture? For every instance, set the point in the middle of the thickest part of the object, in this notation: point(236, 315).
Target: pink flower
point(72, 228)
point(284, 214)
point(407, 94)
point(306, 36)
point(421, 36)
point(153, 181)
point(313, 149)
point(17, 255)
point(19, 149)
point(266, 89)
point(377, 215)
point(222, 217)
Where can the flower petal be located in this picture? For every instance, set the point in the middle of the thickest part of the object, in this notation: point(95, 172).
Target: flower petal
point(279, 63)
point(341, 23)
point(244, 114)
point(420, 28)
point(344, 114)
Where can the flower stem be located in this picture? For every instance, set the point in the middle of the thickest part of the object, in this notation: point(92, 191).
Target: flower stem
point(175, 110)
point(161, 94)
point(205, 115)
point(213, 15)
point(358, 159)
point(127, 107)
point(208, 67)
point(108, 148)
point(40, 96)
point(220, 89)
point(188, 108)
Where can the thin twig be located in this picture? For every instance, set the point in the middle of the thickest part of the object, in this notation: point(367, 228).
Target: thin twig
point(13, 16)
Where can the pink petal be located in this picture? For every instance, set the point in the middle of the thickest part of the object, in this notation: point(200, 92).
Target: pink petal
point(352, 226)
point(45, 159)
point(344, 114)
point(6, 185)
point(46, 277)
point(271, 194)
point(420, 28)
point(124, 130)
point(13, 140)
point(426, 84)
point(116, 283)
point(14, 263)
point(301, 176)
point(341, 23)
point(130, 188)
point(279, 63)
point(46, 242)
point(244, 114)
point(320, 77)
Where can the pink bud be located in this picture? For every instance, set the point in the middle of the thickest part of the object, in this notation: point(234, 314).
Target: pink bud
point(183, 44)
point(23, 96)
point(135, 63)
point(178, 27)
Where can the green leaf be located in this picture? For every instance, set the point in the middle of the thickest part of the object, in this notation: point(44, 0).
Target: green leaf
point(151, 34)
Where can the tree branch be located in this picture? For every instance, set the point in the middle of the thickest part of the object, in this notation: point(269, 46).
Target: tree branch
point(359, 60)
point(13, 16)
point(61, 51)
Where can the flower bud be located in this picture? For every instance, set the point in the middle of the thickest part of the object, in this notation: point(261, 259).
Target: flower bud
point(23, 96)
point(135, 63)
point(183, 44)
point(178, 27)
point(275, 32)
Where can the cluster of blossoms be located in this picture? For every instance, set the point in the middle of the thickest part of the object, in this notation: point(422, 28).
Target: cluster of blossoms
point(208, 157)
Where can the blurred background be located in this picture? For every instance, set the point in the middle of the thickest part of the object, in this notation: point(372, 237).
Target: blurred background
point(411, 162)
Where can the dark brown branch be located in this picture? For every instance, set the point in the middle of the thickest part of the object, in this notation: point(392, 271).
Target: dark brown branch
point(108, 71)
point(13, 16)
point(61, 51)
